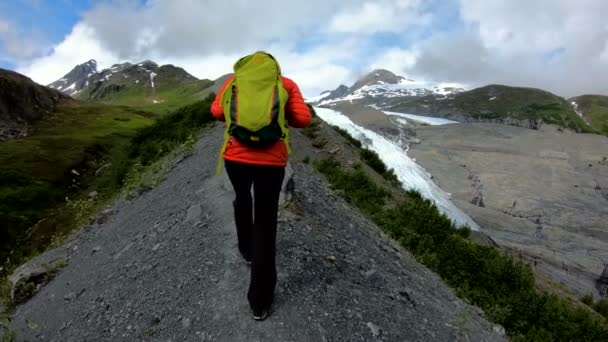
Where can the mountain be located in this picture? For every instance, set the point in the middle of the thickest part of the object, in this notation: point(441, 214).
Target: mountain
point(593, 109)
point(23, 102)
point(77, 79)
point(526, 107)
point(381, 87)
point(156, 88)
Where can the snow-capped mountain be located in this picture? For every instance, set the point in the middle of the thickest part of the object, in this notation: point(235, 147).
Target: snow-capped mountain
point(76, 80)
point(381, 87)
point(86, 82)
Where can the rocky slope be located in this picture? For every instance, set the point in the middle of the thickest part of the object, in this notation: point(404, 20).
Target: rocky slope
point(77, 79)
point(542, 194)
point(165, 266)
point(23, 102)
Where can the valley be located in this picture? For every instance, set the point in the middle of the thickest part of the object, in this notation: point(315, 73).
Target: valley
point(510, 158)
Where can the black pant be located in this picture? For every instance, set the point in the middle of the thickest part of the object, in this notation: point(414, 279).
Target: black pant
point(256, 225)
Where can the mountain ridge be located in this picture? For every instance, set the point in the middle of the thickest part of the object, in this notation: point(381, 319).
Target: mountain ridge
point(85, 82)
point(495, 103)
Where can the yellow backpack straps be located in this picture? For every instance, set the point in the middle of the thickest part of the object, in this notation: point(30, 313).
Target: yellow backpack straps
point(229, 105)
point(283, 96)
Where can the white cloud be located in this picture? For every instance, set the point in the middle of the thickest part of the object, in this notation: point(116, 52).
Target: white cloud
point(558, 45)
point(16, 44)
point(399, 61)
point(79, 46)
point(381, 16)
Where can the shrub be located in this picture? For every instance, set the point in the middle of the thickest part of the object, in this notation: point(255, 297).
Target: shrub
point(348, 137)
point(312, 131)
point(601, 307)
point(587, 300)
point(156, 140)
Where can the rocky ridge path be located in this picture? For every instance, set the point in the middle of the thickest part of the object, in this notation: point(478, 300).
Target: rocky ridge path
point(164, 267)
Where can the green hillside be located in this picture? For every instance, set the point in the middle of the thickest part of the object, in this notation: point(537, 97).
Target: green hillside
point(594, 109)
point(496, 103)
point(36, 172)
point(165, 99)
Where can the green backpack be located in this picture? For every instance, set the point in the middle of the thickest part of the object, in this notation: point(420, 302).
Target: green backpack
point(254, 103)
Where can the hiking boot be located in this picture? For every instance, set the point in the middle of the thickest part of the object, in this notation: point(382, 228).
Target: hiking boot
point(261, 314)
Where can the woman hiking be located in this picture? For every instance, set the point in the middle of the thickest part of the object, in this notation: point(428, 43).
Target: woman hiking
point(258, 106)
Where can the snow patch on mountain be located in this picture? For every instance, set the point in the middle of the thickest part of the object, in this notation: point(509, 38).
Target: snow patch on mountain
point(411, 175)
point(152, 75)
point(429, 120)
point(320, 97)
point(383, 84)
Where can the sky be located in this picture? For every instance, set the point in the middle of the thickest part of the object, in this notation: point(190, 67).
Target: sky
point(558, 45)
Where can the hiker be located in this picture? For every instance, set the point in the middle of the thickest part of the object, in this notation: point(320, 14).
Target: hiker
point(258, 105)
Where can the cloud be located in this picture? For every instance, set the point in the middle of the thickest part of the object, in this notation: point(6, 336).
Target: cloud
point(79, 46)
point(399, 61)
point(383, 16)
point(558, 45)
point(193, 28)
point(18, 45)
point(206, 39)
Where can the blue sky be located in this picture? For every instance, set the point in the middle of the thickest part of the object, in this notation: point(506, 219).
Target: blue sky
point(48, 21)
point(558, 45)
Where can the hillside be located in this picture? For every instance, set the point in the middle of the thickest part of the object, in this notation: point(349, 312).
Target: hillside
point(23, 102)
point(145, 85)
point(339, 277)
point(60, 158)
point(593, 109)
point(526, 107)
point(117, 278)
point(68, 149)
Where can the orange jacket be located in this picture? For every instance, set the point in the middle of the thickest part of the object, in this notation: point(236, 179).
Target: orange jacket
point(297, 115)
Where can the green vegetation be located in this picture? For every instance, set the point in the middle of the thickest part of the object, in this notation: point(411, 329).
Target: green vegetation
point(354, 142)
point(502, 287)
point(36, 172)
point(519, 103)
point(45, 178)
point(498, 102)
point(370, 157)
point(157, 140)
point(168, 98)
point(595, 110)
point(601, 306)
point(312, 130)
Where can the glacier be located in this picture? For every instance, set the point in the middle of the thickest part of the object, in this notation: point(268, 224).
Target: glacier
point(411, 175)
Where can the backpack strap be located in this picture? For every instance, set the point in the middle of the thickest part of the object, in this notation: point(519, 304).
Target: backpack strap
point(230, 112)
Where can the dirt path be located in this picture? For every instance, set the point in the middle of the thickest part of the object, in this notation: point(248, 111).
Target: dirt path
point(165, 267)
